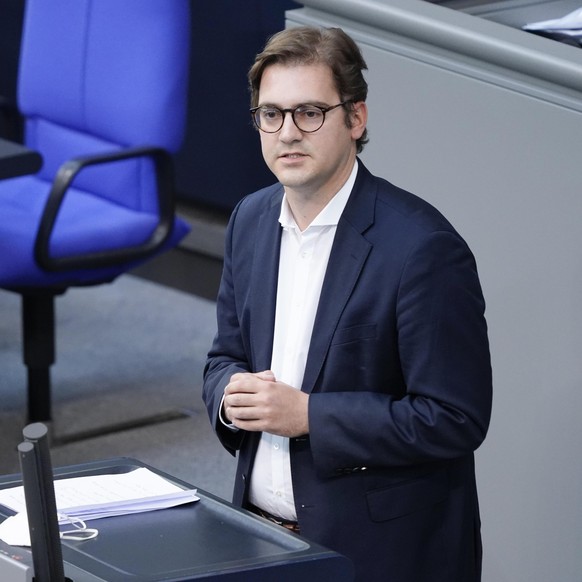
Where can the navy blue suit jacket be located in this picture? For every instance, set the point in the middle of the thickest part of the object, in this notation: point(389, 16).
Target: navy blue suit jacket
point(399, 378)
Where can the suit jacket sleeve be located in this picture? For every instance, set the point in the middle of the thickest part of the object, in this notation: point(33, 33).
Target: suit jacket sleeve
point(227, 355)
point(246, 301)
point(438, 405)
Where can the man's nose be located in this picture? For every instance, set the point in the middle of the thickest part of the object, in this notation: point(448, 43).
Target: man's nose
point(289, 131)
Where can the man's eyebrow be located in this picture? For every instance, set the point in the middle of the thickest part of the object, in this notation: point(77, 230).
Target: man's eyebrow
point(313, 102)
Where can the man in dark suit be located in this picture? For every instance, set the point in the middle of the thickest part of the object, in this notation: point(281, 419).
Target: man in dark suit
point(351, 366)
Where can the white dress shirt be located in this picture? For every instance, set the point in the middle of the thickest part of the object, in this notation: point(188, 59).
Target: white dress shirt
point(302, 264)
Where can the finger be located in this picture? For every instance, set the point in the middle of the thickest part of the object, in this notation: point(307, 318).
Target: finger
point(236, 400)
point(248, 383)
point(266, 375)
point(241, 414)
point(238, 383)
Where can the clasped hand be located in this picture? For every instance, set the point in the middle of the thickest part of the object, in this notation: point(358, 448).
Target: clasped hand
point(258, 402)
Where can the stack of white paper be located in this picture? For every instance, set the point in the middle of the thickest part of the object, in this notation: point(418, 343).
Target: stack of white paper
point(99, 496)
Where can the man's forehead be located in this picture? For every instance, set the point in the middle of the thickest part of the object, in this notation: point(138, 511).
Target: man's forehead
point(300, 83)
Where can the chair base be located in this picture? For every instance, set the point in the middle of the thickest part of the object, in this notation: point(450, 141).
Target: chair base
point(38, 346)
point(39, 395)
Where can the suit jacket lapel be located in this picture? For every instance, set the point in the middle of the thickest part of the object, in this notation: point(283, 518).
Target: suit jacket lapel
point(348, 255)
point(263, 292)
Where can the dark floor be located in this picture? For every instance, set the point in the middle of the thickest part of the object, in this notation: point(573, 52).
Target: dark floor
point(195, 267)
point(189, 271)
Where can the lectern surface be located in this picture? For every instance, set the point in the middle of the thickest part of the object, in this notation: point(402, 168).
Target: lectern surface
point(206, 540)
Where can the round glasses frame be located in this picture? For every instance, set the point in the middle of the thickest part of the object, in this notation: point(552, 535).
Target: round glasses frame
point(302, 109)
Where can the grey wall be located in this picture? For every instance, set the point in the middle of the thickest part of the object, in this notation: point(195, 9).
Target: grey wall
point(497, 149)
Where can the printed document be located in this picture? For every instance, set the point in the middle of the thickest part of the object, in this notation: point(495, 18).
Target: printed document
point(99, 496)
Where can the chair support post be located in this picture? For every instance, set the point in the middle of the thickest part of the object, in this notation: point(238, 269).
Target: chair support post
point(38, 327)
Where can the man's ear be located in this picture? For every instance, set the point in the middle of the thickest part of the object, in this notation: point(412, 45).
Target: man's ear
point(359, 117)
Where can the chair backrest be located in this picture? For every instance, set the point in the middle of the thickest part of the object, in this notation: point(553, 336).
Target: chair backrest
point(99, 75)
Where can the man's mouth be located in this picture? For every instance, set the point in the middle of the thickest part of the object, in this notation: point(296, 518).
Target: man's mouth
point(292, 156)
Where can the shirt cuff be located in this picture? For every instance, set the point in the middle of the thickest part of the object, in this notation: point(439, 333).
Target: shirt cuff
point(224, 420)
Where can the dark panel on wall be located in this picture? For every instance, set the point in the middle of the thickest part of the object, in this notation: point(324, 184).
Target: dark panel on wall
point(11, 15)
point(221, 161)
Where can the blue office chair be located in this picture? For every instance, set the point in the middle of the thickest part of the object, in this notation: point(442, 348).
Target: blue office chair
point(103, 89)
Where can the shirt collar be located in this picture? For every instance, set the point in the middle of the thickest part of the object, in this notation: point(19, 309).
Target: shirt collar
point(331, 213)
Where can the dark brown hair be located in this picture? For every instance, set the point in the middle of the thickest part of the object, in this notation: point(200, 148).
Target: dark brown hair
point(307, 45)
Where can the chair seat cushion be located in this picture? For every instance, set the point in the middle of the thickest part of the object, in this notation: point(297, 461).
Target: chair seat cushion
point(85, 224)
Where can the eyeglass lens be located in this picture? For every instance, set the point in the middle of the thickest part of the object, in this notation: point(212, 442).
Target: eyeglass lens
point(307, 118)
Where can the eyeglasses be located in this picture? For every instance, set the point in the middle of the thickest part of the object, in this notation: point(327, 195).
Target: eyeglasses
point(307, 118)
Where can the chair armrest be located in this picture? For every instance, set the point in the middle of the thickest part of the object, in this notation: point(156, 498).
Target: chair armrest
point(17, 160)
point(63, 180)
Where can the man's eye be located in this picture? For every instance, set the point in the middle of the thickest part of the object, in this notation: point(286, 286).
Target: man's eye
point(309, 113)
point(270, 114)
